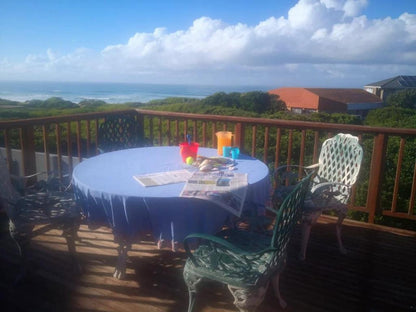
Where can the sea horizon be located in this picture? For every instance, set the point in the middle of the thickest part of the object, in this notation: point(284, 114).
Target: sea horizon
point(111, 92)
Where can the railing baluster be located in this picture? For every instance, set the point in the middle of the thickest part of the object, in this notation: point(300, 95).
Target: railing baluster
point(79, 140)
point(266, 143)
point(28, 151)
point(195, 131)
point(253, 140)
point(8, 149)
point(168, 136)
point(69, 146)
point(46, 149)
point(410, 210)
point(374, 183)
point(289, 148)
point(213, 136)
point(397, 178)
point(204, 133)
point(160, 130)
point(58, 149)
point(177, 132)
point(302, 151)
point(88, 137)
point(316, 147)
point(277, 152)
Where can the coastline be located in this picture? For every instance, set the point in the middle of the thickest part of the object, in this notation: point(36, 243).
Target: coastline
point(111, 93)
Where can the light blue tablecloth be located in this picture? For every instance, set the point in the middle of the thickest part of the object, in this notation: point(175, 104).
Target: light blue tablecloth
point(108, 194)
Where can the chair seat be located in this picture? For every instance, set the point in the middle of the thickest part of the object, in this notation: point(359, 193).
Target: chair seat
point(330, 205)
point(234, 269)
point(44, 207)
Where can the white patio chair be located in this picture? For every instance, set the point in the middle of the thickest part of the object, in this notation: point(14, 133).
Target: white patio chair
point(337, 171)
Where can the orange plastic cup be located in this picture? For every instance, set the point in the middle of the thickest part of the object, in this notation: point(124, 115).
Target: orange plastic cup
point(223, 139)
point(187, 150)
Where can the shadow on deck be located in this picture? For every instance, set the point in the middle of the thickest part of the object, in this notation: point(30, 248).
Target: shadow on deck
point(378, 274)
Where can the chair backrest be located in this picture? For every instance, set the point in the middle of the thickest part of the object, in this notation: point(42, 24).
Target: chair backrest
point(289, 213)
point(7, 191)
point(118, 132)
point(340, 160)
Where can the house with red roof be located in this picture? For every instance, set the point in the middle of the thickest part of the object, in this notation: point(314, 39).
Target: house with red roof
point(329, 100)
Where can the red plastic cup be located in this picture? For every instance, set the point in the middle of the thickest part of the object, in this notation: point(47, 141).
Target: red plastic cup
point(187, 150)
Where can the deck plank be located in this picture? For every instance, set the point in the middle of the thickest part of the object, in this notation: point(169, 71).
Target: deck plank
point(377, 274)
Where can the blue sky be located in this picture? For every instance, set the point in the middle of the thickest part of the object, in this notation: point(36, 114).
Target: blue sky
point(310, 43)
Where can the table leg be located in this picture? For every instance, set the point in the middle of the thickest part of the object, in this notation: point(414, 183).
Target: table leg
point(120, 269)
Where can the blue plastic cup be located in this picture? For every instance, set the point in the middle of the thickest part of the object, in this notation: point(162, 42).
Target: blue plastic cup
point(235, 152)
point(226, 151)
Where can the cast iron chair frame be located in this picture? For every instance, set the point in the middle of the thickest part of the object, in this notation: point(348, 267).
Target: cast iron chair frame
point(245, 260)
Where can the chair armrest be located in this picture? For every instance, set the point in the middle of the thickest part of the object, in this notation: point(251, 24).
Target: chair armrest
point(50, 184)
point(310, 167)
point(222, 242)
point(327, 190)
point(314, 166)
point(290, 173)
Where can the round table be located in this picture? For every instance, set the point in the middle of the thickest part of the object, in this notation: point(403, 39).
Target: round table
point(109, 195)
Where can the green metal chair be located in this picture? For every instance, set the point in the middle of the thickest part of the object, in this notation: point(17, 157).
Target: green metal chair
point(45, 203)
point(119, 132)
point(337, 171)
point(243, 259)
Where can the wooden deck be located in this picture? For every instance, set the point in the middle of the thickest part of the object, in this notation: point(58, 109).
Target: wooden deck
point(378, 274)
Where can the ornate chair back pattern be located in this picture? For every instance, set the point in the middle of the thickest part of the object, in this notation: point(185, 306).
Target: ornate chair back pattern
point(38, 206)
point(288, 214)
point(339, 162)
point(118, 132)
point(7, 192)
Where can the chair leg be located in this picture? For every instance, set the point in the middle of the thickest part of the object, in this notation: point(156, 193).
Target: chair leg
point(70, 232)
point(191, 281)
point(248, 299)
point(120, 269)
point(307, 223)
point(276, 287)
point(338, 227)
point(21, 236)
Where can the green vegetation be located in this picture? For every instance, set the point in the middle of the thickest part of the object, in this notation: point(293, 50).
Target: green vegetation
point(403, 99)
point(400, 112)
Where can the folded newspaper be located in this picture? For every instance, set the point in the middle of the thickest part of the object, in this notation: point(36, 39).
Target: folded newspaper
point(226, 188)
point(162, 178)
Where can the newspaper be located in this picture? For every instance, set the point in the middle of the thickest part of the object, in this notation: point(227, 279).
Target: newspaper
point(225, 188)
point(162, 178)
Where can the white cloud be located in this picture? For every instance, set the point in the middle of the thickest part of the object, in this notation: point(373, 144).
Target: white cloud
point(326, 39)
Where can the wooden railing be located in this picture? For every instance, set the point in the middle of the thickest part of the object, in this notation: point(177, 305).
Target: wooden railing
point(386, 186)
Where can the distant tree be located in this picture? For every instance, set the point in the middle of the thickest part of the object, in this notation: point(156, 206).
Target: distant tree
point(391, 116)
point(254, 101)
point(403, 99)
point(53, 102)
point(4, 102)
point(276, 104)
point(34, 103)
point(223, 99)
point(91, 103)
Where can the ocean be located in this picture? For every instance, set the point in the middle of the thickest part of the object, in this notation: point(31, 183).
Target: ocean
point(113, 93)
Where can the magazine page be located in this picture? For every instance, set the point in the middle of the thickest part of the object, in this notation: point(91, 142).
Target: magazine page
point(161, 178)
point(225, 188)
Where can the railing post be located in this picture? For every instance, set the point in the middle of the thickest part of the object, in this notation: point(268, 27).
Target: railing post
point(375, 179)
point(239, 135)
point(140, 128)
point(28, 151)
